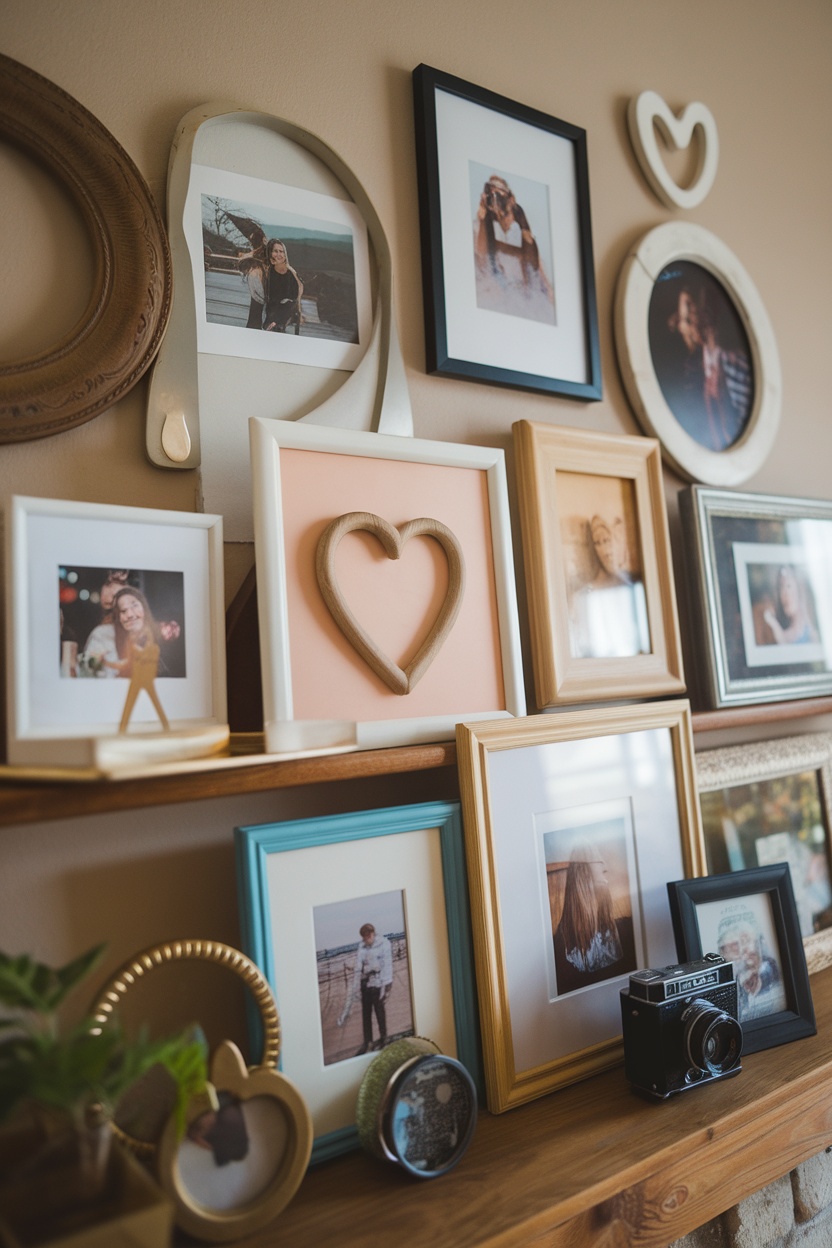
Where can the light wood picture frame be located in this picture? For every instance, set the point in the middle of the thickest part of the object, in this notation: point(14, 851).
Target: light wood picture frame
point(546, 799)
point(63, 644)
point(599, 577)
point(324, 691)
point(771, 801)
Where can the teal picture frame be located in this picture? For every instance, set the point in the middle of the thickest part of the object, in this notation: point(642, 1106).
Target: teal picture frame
point(322, 852)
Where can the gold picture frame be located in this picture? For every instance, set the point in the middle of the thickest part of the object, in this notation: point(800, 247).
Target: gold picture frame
point(602, 604)
point(537, 793)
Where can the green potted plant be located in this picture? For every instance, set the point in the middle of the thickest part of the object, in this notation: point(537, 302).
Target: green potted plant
point(60, 1087)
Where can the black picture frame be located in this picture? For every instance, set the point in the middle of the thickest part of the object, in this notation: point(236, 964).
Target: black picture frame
point(479, 325)
point(697, 906)
point(737, 546)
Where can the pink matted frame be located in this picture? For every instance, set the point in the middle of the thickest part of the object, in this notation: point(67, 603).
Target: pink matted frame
point(318, 693)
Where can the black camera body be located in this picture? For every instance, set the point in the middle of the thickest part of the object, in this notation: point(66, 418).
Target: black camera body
point(681, 1027)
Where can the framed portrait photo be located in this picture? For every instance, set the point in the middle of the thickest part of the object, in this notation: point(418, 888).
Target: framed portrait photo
point(385, 587)
point(697, 354)
point(769, 802)
point(573, 824)
point(360, 923)
point(285, 271)
point(599, 577)
point(762, 592)
point(749, 917)
point(506, 241)
point(115, 633)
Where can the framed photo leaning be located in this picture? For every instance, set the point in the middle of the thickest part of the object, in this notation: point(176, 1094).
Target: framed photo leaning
point(749, 917)
point(509, 282)
point(761, 579)
point(573, 824)
point(360, 923)
point(697, 354)
point(385, 587)
point(770, 802)
point(599, 577)
point(115, 634)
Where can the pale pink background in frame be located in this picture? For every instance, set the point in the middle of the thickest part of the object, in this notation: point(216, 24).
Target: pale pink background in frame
point(394, 600)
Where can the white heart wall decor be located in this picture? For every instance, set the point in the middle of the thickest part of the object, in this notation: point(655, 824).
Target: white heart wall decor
point(648, 110)
point(400, 680)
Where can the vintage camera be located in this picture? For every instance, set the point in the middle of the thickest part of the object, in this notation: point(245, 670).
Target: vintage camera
point(680, 1026)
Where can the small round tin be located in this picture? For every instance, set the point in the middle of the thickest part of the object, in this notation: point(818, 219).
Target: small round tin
point(417, 1108)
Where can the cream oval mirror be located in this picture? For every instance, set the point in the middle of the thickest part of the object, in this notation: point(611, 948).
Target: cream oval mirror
point(103, 356)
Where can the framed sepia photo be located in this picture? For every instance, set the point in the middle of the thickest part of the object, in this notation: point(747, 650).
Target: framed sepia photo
point(93, 594)
point(360, 923)
point(749, 917)
point(769, 802)
point(761, 575)
point(385, 586)
point(599, 578)
point(573, 824)
point(697, 353)
point(506, 241)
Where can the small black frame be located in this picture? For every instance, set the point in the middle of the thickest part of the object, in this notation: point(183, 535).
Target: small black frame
point(480, 325)
point(772, 885)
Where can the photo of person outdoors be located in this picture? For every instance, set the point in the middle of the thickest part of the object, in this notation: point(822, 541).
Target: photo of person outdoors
point(363, 975)
point(112, 613)
point(604, 587)
point(251, 283)
point(783, 605)
point(590, 904)
point(513, 261)
point(701, 355)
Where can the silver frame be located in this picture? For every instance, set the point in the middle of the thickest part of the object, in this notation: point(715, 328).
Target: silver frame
point(698, 505)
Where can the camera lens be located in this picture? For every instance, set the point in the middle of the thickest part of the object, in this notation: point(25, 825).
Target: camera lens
point(713, 1039)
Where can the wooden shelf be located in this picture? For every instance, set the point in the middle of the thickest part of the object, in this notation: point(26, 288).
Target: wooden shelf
point(30, 797)
point(36, 799)
point(590, 1164)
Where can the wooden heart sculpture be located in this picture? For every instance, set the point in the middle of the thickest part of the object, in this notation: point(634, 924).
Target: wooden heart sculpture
point(393, 540)
point(251, 1137)
point(648, 110)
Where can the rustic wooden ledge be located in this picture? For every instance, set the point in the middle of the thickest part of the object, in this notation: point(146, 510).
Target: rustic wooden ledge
point(590, 1164)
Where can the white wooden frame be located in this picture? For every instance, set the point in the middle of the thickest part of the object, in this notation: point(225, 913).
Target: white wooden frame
point(676, 240)
point(543, 452)
point(83, 730)
point(283, 732)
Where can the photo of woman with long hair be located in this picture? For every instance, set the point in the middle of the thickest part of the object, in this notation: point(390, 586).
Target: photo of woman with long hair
point(592, 924)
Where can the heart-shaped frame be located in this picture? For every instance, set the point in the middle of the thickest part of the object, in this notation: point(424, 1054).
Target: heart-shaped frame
point(261, 1157)
point(647, 111)
point(393, 540)
point(289, 1127)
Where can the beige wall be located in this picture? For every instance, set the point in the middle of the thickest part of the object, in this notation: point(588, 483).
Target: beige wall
point(343, 72)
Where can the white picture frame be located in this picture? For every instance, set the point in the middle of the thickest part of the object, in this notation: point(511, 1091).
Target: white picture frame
point(478, 671)
point(54, 548)
point(650, 263)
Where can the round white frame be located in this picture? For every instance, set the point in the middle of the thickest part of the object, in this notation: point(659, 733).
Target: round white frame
point(657, 249)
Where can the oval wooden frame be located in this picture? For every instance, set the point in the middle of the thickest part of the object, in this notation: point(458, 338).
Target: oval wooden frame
point(122, 327)
point(661, 246)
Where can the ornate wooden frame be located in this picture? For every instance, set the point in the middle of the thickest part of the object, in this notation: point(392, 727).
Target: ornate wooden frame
point(114, 342)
